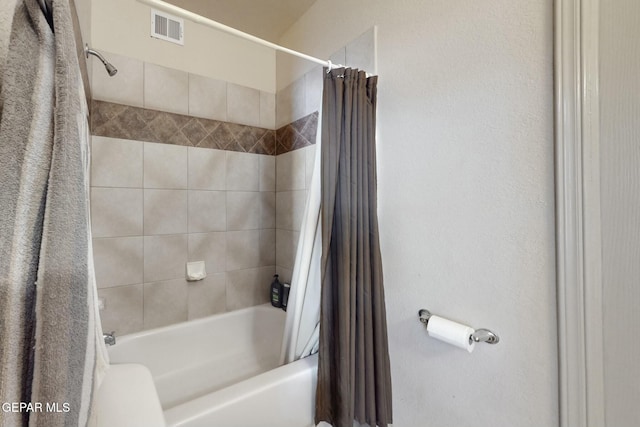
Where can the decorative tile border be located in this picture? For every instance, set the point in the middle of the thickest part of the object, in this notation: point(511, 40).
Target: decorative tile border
point(126, 122)
point(298, 134)
point(141, 124)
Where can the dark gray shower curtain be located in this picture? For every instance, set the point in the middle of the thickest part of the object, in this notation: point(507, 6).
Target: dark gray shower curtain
point(354, 380)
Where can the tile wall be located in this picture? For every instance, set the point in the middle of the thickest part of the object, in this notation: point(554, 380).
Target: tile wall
point(293, 176)
point(150, 86)
point(182, 170)
point(160, 200)
point(157, 206)
point(297, 107)
point(304, 95)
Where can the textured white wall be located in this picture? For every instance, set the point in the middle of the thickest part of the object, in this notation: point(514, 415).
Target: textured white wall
point(123, 27)
point(620, 198)
point(466, 199)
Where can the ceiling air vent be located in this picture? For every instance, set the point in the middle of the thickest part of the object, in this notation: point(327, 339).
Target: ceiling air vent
point(167, 27)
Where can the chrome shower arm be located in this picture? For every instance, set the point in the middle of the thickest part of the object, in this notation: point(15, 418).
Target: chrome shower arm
point(109, 67)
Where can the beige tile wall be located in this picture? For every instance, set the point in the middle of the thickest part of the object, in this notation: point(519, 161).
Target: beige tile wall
point(304, 96)
point(157, 206)
point(293, 176)
point(142, 84)
point(294, 169)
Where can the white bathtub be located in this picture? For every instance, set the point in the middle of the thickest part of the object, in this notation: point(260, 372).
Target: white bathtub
point(282, 397)
point(223, 371)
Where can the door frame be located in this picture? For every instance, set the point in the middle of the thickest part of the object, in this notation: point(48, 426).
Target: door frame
point(579, 260)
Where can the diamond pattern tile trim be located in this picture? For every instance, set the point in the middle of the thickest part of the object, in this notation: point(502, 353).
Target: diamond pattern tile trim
point(122, 121)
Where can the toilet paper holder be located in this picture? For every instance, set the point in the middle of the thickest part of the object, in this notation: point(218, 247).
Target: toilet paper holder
point(480, 335)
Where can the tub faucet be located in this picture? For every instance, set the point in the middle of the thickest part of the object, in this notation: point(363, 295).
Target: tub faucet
point(110, 338)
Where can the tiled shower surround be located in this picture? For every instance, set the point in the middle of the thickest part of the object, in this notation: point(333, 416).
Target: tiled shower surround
point(188, 168)
point(156, 206)
point(170, 188)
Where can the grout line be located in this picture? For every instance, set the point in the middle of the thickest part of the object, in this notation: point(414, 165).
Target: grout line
point(227, 100)
point(143, 234)
point(144, 69)
point(189, 95)
point(143, 239)
point(119, 188)
point(119, 286)
point(124, 236)
point(259, 108)
point(188, 189)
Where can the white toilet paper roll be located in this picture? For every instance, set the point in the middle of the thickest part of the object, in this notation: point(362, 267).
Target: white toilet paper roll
point(451, 332)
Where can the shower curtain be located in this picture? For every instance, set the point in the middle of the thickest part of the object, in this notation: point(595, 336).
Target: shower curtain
point(302, 325)
point(354, 380)
point(51, 349)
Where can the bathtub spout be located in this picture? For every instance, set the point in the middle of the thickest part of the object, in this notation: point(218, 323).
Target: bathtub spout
point(110, 338)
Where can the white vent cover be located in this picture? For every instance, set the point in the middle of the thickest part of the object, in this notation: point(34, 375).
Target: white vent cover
point(167, 27)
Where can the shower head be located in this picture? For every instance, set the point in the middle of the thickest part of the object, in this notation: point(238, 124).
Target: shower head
point(107, 65)
point(110, 69)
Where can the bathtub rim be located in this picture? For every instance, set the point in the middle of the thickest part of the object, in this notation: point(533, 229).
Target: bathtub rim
point(188, 323)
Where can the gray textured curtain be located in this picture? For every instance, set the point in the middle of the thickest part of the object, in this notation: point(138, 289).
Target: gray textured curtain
point(354, 380)
point(51, 348)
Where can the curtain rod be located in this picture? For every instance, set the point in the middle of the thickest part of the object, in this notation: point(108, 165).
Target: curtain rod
point(193, 17)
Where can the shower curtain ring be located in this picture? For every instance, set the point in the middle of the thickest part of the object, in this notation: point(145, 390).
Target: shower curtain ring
point(329, 66)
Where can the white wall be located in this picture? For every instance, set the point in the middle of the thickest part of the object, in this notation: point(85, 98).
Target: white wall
point(123, 27)
point(466, 202)
point(620, 181)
